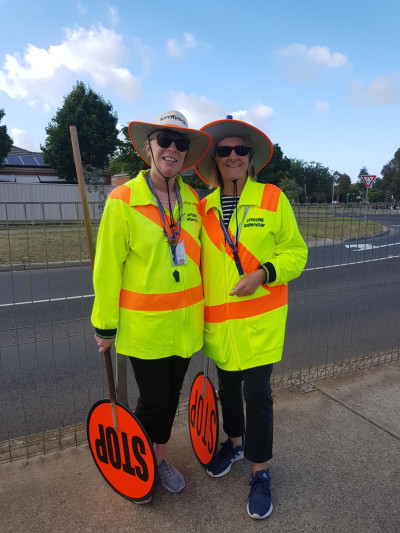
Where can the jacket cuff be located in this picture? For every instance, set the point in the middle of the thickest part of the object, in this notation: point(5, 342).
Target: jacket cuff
point(106, 333)
point(269, 271)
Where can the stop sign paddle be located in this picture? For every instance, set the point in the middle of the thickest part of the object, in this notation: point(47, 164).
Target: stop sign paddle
point(125, 457)
point(203, 418)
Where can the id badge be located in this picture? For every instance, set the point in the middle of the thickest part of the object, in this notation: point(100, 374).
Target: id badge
point(178, 254)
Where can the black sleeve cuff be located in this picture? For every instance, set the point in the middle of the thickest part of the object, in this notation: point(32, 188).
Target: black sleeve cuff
point(269, 271)
point(106, 333)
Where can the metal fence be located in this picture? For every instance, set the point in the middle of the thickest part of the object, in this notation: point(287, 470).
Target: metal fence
point(343, 316)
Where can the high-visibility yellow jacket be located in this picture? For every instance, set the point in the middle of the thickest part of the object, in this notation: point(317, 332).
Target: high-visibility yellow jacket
point(245, 332)
point(136, 294)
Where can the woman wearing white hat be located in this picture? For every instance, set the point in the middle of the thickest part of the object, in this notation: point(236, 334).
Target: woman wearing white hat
point(251, 249)
point(147, 281)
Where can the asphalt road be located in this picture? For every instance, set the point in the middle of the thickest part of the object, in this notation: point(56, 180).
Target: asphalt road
point(345, 304)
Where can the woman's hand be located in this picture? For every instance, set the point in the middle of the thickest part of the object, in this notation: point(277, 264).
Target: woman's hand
point(249, 283)
point(103, 344)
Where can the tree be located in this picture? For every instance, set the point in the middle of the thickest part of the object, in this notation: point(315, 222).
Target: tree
point(5, 140)
point(126, 159)
point(95, 122)
point(343, 183)
point(194, 181)
point(363, 172)
point(391, 177)
point(290, 188)
point(276, 169)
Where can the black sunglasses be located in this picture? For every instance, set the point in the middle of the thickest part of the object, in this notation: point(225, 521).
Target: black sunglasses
point(164, 141)
point(225, 151)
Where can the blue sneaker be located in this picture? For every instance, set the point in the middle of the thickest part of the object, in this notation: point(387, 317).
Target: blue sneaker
point(260, 502)
point(224, 458)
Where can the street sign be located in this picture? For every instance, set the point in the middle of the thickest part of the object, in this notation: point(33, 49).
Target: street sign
point(368, 180)
point(124, 457)
point(203, 419)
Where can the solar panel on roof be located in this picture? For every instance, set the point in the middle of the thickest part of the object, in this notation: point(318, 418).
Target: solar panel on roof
point(14, 160)
point(40, 161)
point(29, 161)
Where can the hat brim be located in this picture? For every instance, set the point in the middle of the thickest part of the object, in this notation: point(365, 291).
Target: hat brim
point(261, 144)
point(139, 133)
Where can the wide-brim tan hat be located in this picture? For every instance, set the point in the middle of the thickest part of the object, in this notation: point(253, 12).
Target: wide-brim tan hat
point(139, 133)
point(219, 129)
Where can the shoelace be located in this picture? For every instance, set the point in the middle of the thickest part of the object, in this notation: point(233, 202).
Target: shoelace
point(167, 468)
point(227, 450)
point(260, 486)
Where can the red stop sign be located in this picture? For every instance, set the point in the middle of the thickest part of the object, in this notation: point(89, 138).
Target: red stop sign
point(203, 419)
point(125, 457)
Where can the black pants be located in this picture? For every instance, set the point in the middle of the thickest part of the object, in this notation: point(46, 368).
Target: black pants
point(258, 429)
point(160, 382)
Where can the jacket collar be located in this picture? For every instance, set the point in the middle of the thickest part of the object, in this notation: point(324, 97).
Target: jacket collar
point(250, 196)
point(142, 195)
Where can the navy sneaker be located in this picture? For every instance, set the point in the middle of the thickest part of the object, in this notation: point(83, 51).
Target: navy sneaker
point(260, 502)
point(224, 458)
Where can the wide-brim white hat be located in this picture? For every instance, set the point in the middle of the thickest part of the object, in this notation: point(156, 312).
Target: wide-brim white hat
point(139, 133)
point(219, 129)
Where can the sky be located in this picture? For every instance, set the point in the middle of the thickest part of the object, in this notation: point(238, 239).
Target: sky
point(321, 79)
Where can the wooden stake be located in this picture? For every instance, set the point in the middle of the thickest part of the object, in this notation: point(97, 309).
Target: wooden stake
point(90, 240)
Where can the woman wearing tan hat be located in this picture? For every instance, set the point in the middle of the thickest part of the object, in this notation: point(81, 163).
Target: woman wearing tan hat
point(147, 281)
point(251, 249)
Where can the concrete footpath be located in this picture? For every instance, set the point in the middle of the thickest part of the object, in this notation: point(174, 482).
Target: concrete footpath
point(336, 468)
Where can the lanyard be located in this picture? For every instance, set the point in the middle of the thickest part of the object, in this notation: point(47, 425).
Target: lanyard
point(231, 243)
point(175, 233)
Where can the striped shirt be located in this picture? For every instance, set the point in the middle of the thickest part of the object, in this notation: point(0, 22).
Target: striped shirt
point(228, 205)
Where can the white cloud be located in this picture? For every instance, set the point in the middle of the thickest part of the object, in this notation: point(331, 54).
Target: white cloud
point(322, 106)
point(200, 110)
point(43, 76)
point(177, 50)
point(384, 90)
point(257, 116)
point(301, 63)
point(81, 8)
point(113, 15)
point(22, 139)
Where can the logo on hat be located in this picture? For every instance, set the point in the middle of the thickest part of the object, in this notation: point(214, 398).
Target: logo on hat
point(174, 117)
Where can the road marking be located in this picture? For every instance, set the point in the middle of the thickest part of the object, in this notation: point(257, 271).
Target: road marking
point(365, 246)
point(48, 300)
point(353, 263)
point(305, 270)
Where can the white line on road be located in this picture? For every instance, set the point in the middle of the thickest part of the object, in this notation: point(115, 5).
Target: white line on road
point(353, 263)
point(305, 270)
point(360, 247)
point(49, 300)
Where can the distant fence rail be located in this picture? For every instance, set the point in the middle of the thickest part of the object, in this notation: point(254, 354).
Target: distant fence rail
point(343, 315)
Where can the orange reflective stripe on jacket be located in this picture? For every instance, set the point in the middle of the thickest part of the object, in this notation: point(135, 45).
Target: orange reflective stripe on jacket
point(213, 228)
point(152, 212)
point(192, 248)
point(245, 309)
point(121, 193)
point(270, 197)
point(135, 301)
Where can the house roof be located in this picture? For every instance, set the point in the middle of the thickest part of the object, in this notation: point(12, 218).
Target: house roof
point(18, 157)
